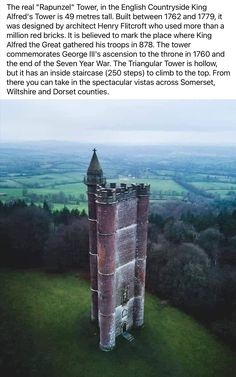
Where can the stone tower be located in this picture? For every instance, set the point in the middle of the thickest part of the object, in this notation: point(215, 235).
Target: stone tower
point(118, 217)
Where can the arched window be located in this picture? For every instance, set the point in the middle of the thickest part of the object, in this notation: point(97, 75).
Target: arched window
point(124, 313)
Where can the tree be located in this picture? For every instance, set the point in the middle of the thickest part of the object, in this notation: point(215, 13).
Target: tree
point(228, 254)
point(184, 276)
point(47, 207)
point(68, 247)
point(62, 217)
point(209, 240)
point(28, 230)
point(5, 255)
point(179, 231)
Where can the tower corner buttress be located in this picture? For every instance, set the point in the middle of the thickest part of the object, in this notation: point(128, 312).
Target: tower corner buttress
point(143, 192)
point(93, 178)
point(106, 244)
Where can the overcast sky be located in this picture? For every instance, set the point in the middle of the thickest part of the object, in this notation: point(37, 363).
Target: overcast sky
point(127, 122)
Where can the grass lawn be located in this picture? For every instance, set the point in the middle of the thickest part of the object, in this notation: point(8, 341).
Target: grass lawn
point(46, 332)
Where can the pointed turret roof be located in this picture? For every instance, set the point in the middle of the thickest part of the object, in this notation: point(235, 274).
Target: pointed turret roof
point(94, 166)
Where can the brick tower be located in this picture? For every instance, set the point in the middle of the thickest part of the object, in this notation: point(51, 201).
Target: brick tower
point(94, 178)
point(118, 217)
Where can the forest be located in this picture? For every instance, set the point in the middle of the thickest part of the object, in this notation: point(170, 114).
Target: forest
point(191, 260)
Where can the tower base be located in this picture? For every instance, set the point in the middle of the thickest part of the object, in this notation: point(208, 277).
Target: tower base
point(105, 349)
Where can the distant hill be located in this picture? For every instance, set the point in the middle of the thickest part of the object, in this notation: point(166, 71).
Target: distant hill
point(45, 331)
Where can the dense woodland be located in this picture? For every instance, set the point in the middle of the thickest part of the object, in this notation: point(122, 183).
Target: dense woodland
point(191, 252)
point(33, 236)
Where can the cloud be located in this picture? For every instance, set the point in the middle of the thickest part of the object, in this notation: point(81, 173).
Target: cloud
point(134, 122)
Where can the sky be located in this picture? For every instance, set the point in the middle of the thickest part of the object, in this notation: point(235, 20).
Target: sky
point(135, 122)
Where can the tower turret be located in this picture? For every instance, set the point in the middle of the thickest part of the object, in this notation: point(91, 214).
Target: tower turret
point(94, 172)
point(94, 178)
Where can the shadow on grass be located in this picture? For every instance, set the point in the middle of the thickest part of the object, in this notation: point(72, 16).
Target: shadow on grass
point(46, 331)
point(19, 355)
point(142, 357)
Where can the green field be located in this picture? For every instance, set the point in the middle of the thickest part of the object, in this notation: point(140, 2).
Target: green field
point(70, 183)
point(42, 180)
point(53, 184)
point(69, 188)
point(10, 193)
point(76, 189)
point(46, 332)
point(215, 186)
point(157, 184)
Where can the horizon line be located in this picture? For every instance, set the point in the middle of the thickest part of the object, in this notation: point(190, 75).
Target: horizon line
point(118, 144)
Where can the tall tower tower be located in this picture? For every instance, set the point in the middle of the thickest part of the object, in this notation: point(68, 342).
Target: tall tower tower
point(94, 178)
point(118, 217)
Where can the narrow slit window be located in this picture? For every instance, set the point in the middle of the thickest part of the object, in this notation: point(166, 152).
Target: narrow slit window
point(125, 295)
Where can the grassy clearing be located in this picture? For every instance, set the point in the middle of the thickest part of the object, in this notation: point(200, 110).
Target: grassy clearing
point(45, 331)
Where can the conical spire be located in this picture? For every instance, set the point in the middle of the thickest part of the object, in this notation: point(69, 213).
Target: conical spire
point(94, 172)
point(94, 166)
